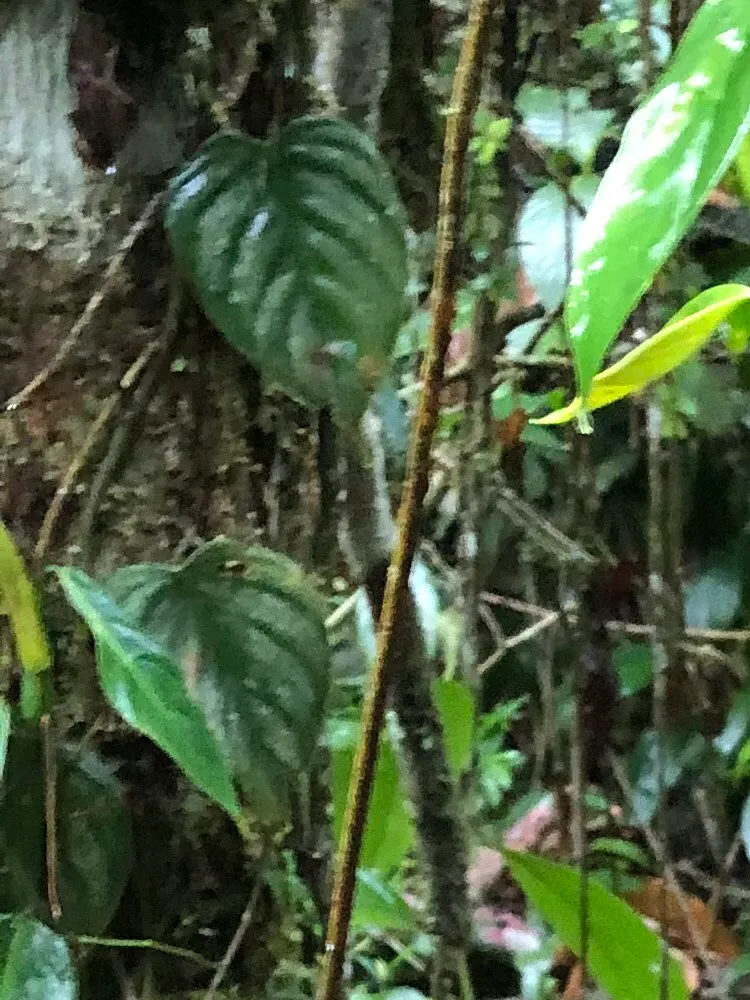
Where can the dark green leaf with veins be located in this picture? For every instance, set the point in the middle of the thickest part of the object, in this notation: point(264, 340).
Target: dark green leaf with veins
point(248, 631)
point(146, 686)
point(296, 250)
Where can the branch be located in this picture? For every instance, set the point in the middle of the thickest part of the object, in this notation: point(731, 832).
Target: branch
point(451, 206)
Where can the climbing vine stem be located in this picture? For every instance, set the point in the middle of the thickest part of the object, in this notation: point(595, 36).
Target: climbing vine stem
point(464, 99)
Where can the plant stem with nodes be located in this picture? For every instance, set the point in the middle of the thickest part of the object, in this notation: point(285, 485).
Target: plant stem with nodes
point(464, 100)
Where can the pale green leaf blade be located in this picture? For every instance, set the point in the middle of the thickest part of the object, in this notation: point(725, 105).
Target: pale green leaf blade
point(455, 704)
point(389, 832)
point(624, 955)
point(19, 602)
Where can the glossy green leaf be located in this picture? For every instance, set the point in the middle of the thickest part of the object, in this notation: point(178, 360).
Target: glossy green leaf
point(248, 630)
point(35, 963)
point(624, 956)
point(146, 686)
point(378, 906)
point(563, 120)
point(389, 833)
point(682, 337)
point(18, 601)
point(675, 149)
point(296, 250)
point(455, 705)
point(94, 842)
point(541, 236)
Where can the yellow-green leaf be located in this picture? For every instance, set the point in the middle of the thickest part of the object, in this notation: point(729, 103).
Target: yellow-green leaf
point(684, 335)
point(18, 602)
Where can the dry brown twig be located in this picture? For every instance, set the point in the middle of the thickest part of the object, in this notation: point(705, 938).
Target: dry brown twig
point(93, 305)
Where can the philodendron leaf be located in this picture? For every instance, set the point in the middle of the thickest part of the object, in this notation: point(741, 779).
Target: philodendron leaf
point(674, 151)
point(94, 845)
point(18, 601)
point(247, 629)
point(35, 963)
point(296, 249)
point(684, 335)
point(146, 686)
point(623, 954)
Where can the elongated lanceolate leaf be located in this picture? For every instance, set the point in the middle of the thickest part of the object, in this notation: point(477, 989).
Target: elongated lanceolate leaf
point(296, 249)
point(623, 955)
point(248, 632)
point(683, 336)
point(675, 149)
point(18, 602)
point(145, 685)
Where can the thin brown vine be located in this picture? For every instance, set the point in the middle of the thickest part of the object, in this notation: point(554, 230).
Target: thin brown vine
point(464, 99)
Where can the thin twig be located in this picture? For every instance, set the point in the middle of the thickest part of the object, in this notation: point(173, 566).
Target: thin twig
point(451, 209)
point(516, 640)
point(237, 938)
point(50, 815)
point(143, 944)
point(125, 429)
point(71, 475)
point(613, 625)
point(93, 304)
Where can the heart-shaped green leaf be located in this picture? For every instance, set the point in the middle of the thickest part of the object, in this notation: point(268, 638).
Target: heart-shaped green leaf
point(623, 955)
point(684, 334)
point(145, 685)
point(248, 631)
point(674, 150)
point(296, 249)
point(94, 848)
point(35, 963)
